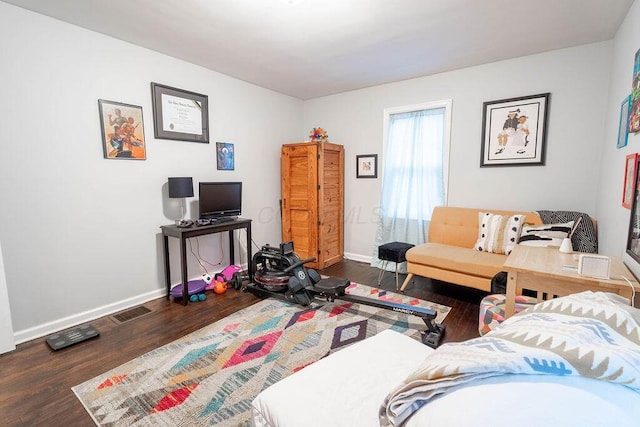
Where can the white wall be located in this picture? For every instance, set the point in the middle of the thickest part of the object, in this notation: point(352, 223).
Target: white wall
point(80, 234)
point(614, 219)
point(577, 79)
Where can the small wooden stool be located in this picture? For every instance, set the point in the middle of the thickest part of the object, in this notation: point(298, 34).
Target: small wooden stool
point(394, 252)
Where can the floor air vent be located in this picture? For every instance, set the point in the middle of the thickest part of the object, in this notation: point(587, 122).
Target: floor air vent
point(130, 314)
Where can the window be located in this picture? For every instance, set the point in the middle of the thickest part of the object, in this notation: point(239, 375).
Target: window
point(414, 174)
point(416, 152)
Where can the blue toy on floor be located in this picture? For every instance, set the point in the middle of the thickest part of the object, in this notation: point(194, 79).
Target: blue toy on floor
point(197, 297)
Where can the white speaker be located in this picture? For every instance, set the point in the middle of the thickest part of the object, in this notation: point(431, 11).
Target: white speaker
point(596, 266)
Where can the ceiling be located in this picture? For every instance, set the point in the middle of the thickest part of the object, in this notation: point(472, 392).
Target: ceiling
point(312, 48)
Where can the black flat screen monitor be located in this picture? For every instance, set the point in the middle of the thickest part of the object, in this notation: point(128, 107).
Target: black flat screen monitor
point(220, 199)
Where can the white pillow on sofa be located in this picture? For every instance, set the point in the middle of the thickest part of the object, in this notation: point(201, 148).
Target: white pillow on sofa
point(498, 233)
point(545, 234)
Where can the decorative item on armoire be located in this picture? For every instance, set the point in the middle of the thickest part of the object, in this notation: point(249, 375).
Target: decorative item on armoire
point(318, 135)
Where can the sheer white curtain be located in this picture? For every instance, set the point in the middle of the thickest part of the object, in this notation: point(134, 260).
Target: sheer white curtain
point(414, 176)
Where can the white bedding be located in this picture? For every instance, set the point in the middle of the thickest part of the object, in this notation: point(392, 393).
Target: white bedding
point(344, 389)
point(533, 401)
point(589, 334)
point(347, 388)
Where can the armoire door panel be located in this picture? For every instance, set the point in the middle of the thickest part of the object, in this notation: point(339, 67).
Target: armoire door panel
point(313, 200)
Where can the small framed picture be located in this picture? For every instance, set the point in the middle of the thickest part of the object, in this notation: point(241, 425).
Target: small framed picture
point(225, 156)
point(634, 101)
point(630, 175)
point(122, 130)
point(514, 131)
point(623, 130)
point(367, 166)
point(179, 114)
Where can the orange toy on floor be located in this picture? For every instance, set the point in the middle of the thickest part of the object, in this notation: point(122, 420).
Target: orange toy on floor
point(219, 286)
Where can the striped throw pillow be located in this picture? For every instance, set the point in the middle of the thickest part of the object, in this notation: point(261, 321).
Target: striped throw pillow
point(545, 234)
point(498, 233)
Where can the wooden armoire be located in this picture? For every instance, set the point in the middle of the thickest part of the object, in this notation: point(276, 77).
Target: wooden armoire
point(313, 200)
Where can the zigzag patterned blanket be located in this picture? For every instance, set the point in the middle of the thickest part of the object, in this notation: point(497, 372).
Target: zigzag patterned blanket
point(595, 335)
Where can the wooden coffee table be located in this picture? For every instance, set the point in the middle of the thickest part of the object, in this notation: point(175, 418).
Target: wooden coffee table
point(547, 270)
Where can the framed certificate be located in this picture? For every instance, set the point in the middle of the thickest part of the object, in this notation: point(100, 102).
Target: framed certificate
point(179, 114)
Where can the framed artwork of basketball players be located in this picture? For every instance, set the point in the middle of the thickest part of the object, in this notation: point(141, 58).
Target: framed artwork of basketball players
point(122, 131)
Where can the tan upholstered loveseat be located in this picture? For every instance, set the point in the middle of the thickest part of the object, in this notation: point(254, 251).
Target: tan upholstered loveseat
point(449, 255)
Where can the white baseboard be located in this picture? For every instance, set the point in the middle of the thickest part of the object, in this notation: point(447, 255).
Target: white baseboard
point(77, 319)
point(357, 257)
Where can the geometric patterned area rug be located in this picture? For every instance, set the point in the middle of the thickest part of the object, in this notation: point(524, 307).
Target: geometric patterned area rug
point(211, 376)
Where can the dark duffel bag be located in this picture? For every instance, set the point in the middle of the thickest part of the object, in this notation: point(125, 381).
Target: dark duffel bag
point(499, 285)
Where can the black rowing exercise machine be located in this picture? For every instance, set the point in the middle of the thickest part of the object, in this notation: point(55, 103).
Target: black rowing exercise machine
point(280, 273)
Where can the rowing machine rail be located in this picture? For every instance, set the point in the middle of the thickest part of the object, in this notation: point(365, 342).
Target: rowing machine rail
point(305, 285)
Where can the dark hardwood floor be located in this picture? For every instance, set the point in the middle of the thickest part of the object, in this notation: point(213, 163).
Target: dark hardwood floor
point(35, 382)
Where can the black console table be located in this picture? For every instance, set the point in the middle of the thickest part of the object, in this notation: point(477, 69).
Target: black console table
point(183, 233)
